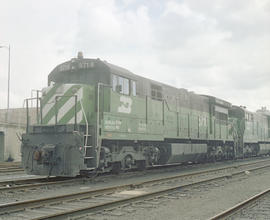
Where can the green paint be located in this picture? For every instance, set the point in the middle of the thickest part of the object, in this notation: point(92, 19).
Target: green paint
point(159, 121)
point(71, 114)
point(50, 94)
point(60, 102)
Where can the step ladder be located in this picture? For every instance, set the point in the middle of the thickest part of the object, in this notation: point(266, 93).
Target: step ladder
point(88, 150)
point(88, 153)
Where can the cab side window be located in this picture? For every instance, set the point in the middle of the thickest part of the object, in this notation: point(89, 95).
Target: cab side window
point(134, 92)
point(156, 92)
point(120, 84)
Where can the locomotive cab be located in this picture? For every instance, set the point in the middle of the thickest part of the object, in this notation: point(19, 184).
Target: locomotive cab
point(65, 139)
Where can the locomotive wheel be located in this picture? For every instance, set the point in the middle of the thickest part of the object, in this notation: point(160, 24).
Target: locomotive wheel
point(128, 161)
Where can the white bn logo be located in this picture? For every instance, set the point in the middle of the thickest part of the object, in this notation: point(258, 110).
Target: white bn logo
point(125, 104)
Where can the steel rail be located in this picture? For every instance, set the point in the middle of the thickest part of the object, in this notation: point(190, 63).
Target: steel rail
point(209, 171)
point(10, 163)
point(33, 183)
point(235, 209)
point(4, 165)
point(11, 170)
point(84, 210)
point(11, 207)
point(25, 181)
point(11, 166)
point(20, 184)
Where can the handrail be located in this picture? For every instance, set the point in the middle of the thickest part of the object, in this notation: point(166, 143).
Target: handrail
point(97, 127)
point(27, 111)
point(86, 122)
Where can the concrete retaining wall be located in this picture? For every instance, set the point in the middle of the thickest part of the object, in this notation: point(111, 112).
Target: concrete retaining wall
point(13, 125)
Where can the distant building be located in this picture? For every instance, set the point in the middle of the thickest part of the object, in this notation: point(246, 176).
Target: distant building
point(264, 111)
point(12, 125)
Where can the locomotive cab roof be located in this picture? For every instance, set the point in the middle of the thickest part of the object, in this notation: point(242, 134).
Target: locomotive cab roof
point(85, 71)
point(82, 70)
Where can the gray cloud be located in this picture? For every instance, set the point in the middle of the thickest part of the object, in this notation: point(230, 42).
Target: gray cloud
point(220, 48)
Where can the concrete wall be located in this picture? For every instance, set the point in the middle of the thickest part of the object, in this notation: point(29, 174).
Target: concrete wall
point(2, 145)
point(12, 125)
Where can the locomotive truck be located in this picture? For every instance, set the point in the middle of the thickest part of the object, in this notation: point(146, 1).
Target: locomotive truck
point(94, 115)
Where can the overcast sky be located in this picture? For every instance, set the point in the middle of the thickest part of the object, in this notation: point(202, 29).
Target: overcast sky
point(219, 48)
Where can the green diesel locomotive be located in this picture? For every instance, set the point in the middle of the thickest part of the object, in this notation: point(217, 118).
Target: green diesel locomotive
point(98, 116)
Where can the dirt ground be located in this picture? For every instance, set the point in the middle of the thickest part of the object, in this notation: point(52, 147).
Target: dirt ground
point(201, 202)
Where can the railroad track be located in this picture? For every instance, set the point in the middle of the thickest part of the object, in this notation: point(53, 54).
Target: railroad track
point(11, 170)
point(23, 184)
point(8, 164)
point(81, 203)
point(6, 167)
point(256, 207)
point(28, 183)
